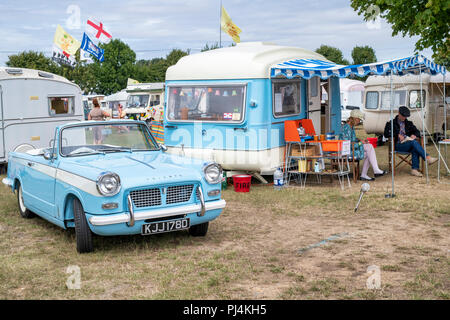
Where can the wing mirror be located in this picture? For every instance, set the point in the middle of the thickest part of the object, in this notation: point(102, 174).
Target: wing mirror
point(47, 155)
point(163, 147)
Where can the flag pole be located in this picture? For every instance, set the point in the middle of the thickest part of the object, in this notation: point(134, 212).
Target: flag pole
point(220, 25)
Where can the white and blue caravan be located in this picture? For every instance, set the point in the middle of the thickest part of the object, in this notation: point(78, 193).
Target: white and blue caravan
point(229, 105)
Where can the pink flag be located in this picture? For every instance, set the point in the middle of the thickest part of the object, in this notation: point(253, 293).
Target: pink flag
point(98, 31)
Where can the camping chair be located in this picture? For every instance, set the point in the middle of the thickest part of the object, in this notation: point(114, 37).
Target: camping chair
point(405, 157)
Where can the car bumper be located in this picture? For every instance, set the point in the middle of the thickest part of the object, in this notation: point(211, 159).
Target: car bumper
point(124, 223)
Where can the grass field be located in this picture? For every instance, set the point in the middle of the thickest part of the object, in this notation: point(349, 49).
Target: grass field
point(252, 250)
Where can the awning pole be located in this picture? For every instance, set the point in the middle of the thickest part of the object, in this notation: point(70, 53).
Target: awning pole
point(423, 123)
point(220, 25)
point(392, 136)
point(445, 117)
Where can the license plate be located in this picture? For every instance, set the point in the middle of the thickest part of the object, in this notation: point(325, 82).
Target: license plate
point(165, 226)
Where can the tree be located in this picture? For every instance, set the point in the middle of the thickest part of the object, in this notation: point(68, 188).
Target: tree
point(32, 60)
point(119, 64)
point(363, 55)
point(333, 54)
point(212, 47)
point(427, 19)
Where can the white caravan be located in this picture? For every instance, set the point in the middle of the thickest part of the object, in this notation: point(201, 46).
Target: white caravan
point(32, 104)
point(406, 92)
point(111, 103)
point(144, 99)
point(352, 96)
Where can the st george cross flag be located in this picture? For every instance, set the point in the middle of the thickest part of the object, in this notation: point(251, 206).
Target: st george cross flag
point(89, 46)
point(98, 31)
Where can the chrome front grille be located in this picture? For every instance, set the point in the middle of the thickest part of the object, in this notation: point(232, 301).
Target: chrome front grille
point(178, 194)
point(155, 196)
point(146, 197)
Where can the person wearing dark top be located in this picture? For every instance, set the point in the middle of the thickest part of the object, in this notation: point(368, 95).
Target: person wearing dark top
point(405, 134)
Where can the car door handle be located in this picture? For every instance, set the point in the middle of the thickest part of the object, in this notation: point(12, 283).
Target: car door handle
point(30, 164)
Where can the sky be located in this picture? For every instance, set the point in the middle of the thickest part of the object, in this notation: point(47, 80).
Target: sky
point(152, 28)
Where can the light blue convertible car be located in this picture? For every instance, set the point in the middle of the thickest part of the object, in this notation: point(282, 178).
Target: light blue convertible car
point(112, 178)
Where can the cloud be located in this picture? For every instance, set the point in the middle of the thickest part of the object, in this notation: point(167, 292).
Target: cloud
point(153, 27)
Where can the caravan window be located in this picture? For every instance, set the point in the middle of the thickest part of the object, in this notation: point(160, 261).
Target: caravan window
point(206, 103)
point(61, 105)
point(399, 97)
point(286, 98)
point(414, 98)
point(137, 101)
point(372, 100)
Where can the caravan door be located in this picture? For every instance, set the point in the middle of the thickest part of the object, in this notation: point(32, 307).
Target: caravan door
point(314, 108)
point(2, 127)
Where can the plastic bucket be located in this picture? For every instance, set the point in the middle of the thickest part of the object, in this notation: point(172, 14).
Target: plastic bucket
point(373, 141)
point(242, 182)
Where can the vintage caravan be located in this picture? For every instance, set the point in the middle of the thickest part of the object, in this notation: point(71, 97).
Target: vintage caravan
point(226, 105)
point(32, 104)
point(144, 99)
point(352, 96)
point(406, 92)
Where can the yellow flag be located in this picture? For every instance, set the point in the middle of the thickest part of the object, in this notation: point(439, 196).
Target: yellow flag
point(229, 27)
point(65, 41)
point(132, 81)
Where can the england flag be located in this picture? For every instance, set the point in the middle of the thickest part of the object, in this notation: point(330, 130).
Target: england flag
point(98, 31)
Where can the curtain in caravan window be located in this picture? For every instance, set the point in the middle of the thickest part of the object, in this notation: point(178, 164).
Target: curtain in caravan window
point(61, 105)
point(286, 98)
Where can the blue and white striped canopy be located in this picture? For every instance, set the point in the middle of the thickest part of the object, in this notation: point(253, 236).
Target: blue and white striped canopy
point(308, 68)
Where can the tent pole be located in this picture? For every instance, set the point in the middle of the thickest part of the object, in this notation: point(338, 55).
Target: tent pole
point(423, 122)
point(220, 25)
point(445, 117)
point(392, 136)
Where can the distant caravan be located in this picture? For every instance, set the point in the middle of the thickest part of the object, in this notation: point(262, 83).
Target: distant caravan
point(406, 92)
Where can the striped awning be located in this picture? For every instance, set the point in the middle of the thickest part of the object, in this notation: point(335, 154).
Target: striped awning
point(308, 68)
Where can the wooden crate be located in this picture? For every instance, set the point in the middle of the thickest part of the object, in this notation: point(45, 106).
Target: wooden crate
point(308, 151)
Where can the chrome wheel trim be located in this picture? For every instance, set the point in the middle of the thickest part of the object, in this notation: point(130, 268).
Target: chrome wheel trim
point(21, 204)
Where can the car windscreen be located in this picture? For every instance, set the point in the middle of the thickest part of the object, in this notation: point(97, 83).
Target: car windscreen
point(105, 138)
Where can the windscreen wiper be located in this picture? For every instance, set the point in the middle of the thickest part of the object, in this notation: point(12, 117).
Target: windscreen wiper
point(116, 150)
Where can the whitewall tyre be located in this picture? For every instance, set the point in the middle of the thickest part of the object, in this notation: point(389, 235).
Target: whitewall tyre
point(24, 212)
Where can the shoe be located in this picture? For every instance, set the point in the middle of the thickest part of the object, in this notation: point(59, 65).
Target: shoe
point(380, 174)
point(416, 173)
point(431, 160)
point(366, 179)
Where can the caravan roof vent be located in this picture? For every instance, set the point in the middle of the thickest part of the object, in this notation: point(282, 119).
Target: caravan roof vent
point(45, 74)
point(14, 71)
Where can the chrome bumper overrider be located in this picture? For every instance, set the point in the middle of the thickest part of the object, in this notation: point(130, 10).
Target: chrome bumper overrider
point(156, 213)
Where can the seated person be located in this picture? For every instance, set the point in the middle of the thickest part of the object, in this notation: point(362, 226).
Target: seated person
point(405, 134)
point(363, 149)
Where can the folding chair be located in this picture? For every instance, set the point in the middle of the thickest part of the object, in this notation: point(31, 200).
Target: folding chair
point(405, 158)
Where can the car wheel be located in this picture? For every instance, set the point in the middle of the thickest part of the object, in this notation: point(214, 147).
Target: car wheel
point(24, 212)
point(199, 230)
point(82, 231)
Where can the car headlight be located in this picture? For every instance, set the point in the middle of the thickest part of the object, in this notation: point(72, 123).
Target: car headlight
point(108, 184)
point(212, 173)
